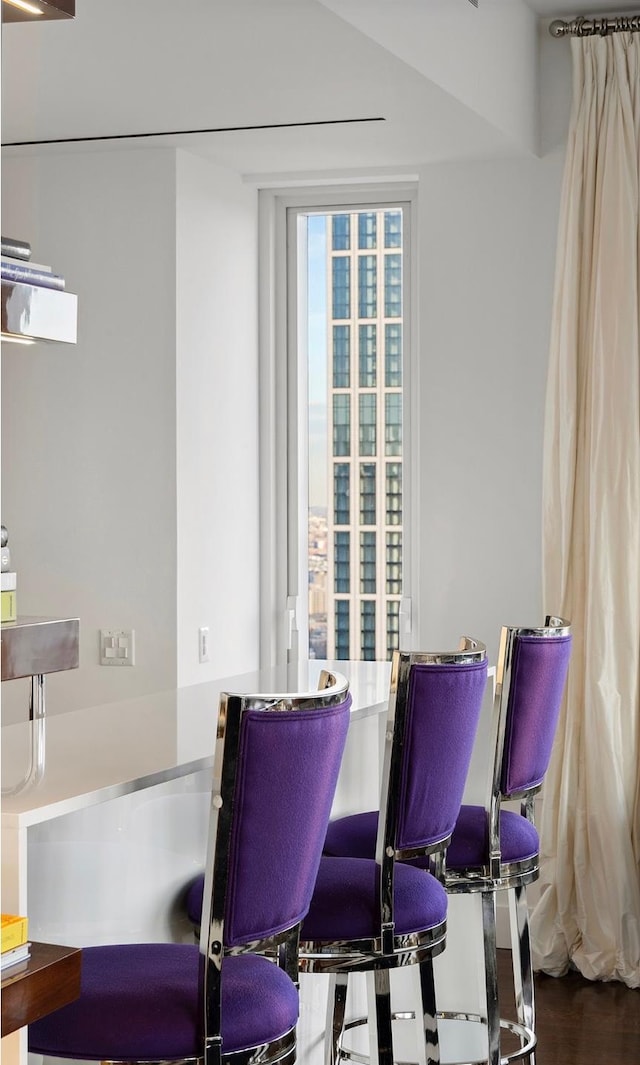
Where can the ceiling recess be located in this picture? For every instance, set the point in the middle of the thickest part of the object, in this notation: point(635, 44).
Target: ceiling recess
point(37, 10)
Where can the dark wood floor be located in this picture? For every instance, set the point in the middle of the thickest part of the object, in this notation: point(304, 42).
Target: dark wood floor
point(579, 1022)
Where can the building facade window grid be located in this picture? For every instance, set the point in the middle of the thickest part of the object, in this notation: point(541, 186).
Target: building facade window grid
point(374, 301)
point(341, 356)
point(341, 423)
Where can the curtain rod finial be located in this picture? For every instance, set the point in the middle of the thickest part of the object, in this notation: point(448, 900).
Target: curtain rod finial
point(558, 28)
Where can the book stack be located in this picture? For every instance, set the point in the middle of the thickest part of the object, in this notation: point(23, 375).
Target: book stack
point(15, 947)
point(16, 266)
point(8, 580)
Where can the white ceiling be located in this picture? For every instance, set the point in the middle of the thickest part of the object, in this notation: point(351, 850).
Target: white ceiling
point(157, 65)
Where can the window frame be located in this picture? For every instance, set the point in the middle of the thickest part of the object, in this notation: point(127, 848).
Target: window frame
point(283, 431)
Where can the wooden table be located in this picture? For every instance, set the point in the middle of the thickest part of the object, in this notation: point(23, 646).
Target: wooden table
point(51, 979)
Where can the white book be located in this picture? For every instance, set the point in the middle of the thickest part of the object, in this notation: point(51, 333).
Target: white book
point(13, 956)
point(24, 262)
point(8, 581)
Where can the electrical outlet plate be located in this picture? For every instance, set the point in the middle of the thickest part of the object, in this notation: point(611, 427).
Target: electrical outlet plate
point(117, 647)
point(203, 645)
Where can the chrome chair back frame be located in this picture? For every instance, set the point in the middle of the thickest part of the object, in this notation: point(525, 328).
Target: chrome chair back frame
point(388, 950)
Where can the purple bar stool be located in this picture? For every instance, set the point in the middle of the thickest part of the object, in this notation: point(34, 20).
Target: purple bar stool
point(276, 766)
point(374, 914)
point(492, 849)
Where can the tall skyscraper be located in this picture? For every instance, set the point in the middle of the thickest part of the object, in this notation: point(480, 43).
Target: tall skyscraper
point(364, 416)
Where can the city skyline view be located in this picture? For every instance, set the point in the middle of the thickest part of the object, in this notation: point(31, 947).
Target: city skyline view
point(354, 312)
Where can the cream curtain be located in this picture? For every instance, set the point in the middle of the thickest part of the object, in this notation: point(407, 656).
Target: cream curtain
point(588, 915)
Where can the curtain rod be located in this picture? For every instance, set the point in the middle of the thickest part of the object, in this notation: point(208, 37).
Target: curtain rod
point(584, 27)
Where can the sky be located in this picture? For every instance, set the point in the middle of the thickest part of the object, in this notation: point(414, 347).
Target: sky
point(317, 352)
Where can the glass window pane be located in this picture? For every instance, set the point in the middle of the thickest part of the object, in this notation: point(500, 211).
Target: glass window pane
point(393, 286)
point(367, 286)
point(367, 352)
point(341, 423)
point(394, 563)
point(393, 229)
point(367, 420)
point(366, 230)
point(367, 563)
point(393, 355)
point(342, 563)
point(342, 628)
point(354, 417)
point(393, 626)
point(393, 493)
point(340, 232)
point(341, 356)
point(341, 500)
point(341, 288)
point(393, 423)
point(367, 493)
point(368, 630)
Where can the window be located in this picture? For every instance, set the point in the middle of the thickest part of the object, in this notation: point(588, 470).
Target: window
point(367, 493)
point(393, 423)
point(367, 426)
point(368, 630)
point(393, 493)
point(342, 563)
point(392, 355)
point(342, 628)
point(394, 563)
point(341, 286)
point(366, 230)
point(393, 229)
point(342, 423)
point(340, 232)
point(367, 286)
point(367, 343)
point(368, 563)
point(392, 286)
point(342, 506)
point(341, 356)
point(334, 495)
point(393, 626)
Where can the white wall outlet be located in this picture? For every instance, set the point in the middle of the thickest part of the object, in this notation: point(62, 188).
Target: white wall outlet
point(117, 647)
point(203, 644)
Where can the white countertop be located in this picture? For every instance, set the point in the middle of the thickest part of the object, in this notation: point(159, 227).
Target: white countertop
point(98, 753)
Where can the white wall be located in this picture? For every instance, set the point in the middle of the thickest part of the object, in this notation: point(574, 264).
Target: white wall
point(115, 514)
point(487, 250)
point(88, 432)
point(217, 397)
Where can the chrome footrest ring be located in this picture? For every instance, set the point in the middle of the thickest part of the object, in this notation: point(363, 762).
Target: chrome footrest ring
point(528, 1039)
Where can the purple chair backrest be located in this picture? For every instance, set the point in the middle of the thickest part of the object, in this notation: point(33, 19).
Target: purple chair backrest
point(434, 711)
point(538, 673)
point(443, 712)
point(281, 769)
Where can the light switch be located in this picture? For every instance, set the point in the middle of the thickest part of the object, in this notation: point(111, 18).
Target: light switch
point(117, 647)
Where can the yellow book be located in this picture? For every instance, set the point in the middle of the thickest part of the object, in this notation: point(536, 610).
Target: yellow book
point(14, 931)
point(9, 606)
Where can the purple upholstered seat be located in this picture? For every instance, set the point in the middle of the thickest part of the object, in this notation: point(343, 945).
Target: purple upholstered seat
point(492, 848)
point(373, 913)
point(356, 836)
point(345, 903)
point(276, 768)
point(140, 1002)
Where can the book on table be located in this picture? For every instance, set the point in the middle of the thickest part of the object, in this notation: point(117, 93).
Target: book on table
point(16, 956)
point(14, 931)
point(8, 606)
point(8, 580)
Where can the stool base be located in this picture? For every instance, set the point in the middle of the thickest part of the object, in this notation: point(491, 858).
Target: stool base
point(527, 1038)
